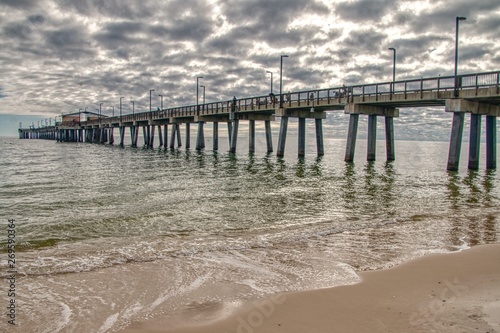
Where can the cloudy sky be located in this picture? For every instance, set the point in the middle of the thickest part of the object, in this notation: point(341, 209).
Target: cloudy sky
point(62, 55)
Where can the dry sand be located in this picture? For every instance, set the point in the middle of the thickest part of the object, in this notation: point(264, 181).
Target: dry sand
point(457, 292)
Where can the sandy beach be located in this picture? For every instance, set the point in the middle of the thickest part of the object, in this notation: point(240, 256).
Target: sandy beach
point(456, 292)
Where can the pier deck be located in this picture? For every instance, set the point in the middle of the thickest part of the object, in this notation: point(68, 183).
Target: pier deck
point(477, 94)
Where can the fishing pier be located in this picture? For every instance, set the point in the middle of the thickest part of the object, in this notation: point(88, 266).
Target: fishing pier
point(476, 94)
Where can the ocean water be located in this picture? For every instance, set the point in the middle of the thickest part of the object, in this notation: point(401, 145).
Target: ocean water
point(107, 235)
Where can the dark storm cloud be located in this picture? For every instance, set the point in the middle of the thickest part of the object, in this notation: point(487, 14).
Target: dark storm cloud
point(442, 17)
point(20, 4)
point(364, 10)
point(271, 13)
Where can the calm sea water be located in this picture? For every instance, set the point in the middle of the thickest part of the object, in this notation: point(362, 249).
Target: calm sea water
point(106, 235)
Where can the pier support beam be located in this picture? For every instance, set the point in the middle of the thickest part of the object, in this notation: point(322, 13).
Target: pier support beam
point(188, 135)
point(216, 136)
point(372, 137)
point(351, 137)
point(229, 132)
point(132, 135)
point(491, 142)
point(200, 137)
point(457, 129)
point(372, 111)
point(389, 138)
point(160, 136)
point(302, 137)
point(178, 131)
point(111, 136)
point(459, 107)
point(122, 136)
point(234, 136)
point(251, 136)
point(172, 136)
point(165, 136)
point(474, 141)
point(152, 136)
point(145, 136)
point(282, 137)
point(136, 135)
point(319, 137)
point(269, 136)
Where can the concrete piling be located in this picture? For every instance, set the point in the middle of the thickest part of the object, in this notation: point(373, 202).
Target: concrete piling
point(251, 136)
point(178, 131)
point(172, 137)
point(200, 137)
point(389, 138)
point(152, 136)
point(474, 141)
point(215, 136)
point(455, 141)
point(491, 142)
point(319, 136)
point(165, 136)
point(372, 137)
point(269, 136)
point(234, 136)
point(229, 132)
point(188, 135)
point(160, 136)
point(351, 137)
point(302, 137)
point(282, 137)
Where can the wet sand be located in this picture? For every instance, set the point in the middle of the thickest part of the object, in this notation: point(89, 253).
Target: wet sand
point(456, 292)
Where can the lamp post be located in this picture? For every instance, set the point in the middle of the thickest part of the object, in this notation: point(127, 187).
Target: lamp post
point(393, 64)
point(457, 20)
point(79, 112)
point(161, 102)
point(150, 112)
point(113, 110)
point(271, 80)
point(133, 109)
point(197, 98)
point(121, 108)
point(281, 79)
point(203, 92)
point(100, 110)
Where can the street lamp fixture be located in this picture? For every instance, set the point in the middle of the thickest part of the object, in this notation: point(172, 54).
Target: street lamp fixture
point(281, 79)
point(271, 80)
point(457, 20)
point(393, 64)
point(150, 112)
point(203, 92)
point(161, 102)
point(121, 108)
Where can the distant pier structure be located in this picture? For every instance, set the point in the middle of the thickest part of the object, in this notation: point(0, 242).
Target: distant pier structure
point(476, 94)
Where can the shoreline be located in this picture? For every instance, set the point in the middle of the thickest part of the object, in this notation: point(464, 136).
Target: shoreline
point(453, 292)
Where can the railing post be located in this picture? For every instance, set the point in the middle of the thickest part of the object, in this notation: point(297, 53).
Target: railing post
point(406, 88)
